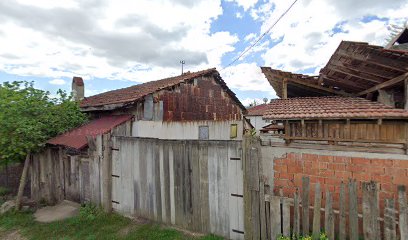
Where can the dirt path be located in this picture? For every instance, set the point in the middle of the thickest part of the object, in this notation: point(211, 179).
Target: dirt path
point(11, 235)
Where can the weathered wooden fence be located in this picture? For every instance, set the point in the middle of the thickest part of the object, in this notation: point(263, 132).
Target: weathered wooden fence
point(351, 220)
point(193, 184)
point(312, 210)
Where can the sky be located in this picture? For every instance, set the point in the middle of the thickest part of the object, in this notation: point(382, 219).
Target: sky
point(115, 44)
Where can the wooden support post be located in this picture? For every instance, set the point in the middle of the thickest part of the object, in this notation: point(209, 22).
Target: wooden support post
point(347, 129)
point(316, 212)
point(329, 216)
point(371, 226)
point(286, 216)
point(285, 88)
point(23, 181)
point(320, 129)
point(342, 213)
point(403, 212)
point(305, 205)
point(353, 210)
point(296, 216)
point(107, 173)
point(287, 132)
point(302, 122)
point(389, 220)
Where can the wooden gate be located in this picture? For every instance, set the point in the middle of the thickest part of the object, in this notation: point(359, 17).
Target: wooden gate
point(196, 185)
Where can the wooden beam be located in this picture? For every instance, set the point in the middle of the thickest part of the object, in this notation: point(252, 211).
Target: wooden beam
point(385, 63)
point(311, 85)
point(384, 84)
point(406, 94)
point(352, 73)
point(341, 82)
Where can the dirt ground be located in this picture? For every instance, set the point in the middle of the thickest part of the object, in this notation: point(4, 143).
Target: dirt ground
point(11, 235)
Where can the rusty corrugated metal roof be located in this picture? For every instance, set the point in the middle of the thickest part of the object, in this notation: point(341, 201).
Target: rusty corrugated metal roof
point(330, 108)
point(76, 138)
point(257, 110)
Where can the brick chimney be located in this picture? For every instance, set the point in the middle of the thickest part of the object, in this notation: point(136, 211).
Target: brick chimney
point(78, 88)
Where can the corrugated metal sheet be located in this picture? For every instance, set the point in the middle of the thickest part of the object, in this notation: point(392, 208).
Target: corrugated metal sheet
point(76, 138)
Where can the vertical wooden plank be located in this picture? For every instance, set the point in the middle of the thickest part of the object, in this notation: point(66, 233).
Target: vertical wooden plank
point(329, 216)
point(316, 212)
point(275, 217)
point(353, 210)
point(305, 205)
point(157, 180)
point(286, 216)
point(370, 211)
point(403, 212)
point(204, 197)
point(296, 216)
point(172, 187)
point(195, 185)
point(389, 220)
point(342, 212)
point(262, 209)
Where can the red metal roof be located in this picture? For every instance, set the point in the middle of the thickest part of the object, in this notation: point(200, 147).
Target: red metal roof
point(330, 108)
point(76, 138)
point(257, 110)
point(133, 93)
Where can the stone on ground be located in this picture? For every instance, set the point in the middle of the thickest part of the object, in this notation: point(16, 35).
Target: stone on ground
point(7, 206)
point(65, 209)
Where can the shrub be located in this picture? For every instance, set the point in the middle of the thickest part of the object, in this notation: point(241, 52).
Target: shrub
point(90, 211)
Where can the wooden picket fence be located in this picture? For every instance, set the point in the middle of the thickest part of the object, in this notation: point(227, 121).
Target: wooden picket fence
point(291, 216)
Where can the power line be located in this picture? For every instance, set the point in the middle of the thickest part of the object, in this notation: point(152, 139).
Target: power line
point(260, 37)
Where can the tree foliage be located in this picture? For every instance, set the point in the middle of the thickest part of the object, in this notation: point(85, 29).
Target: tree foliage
point(29, 117)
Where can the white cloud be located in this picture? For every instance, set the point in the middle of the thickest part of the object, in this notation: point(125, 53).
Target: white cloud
point(105, 39)
point(306, 37)
point(246, 76)
point(57, 82)
point(246, 4)
point(239, 15)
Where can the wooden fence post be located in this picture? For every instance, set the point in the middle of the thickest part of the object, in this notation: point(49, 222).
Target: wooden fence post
point(403, 212)
point(353, 210)
point(296, 220)
point(370, 211)
point(305, 205)
point(286, 217)
point(342, 212)
point(262, 209)
point(329, 216)
point(316, 212)
point(389, 220)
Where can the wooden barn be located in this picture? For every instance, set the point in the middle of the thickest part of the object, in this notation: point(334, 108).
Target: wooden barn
point(167, 150)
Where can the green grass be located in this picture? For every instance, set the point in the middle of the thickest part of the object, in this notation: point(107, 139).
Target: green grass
point(4, 191)
point(90, 224)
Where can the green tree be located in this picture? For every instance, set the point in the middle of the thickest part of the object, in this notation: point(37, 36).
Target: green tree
point(29, 117)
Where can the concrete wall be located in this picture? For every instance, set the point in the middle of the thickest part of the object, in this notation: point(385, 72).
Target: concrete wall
point(218, 130)
point(195, 185)
point(285, 167)
point(257, 122)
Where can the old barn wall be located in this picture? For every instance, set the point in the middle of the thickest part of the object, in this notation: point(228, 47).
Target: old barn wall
point(196, 185)
point(218, 130)
point(286, 166)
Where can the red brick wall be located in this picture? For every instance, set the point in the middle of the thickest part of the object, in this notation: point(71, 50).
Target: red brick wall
point(331, 170)
point(204, 100)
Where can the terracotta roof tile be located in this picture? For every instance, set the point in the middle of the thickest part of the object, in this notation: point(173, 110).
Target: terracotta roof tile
point(330, 107)
point(257, 110)
point(136, 92)
point(76, 138)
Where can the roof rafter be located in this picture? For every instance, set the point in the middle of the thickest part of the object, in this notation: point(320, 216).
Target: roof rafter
point(384, 84)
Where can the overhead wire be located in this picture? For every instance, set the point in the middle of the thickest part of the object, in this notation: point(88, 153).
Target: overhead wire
point(260, 37)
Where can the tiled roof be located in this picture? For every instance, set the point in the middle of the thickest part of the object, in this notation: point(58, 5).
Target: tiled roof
point(257, 110)
point(330, 108)
point(133, 93)
point(76, 138)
